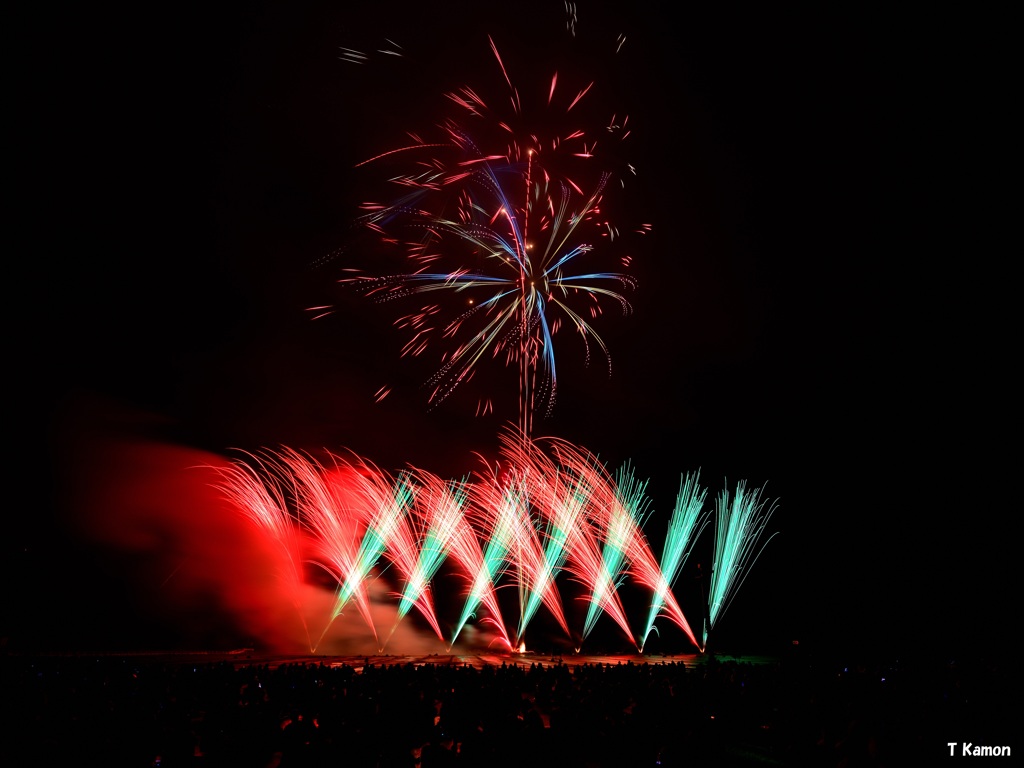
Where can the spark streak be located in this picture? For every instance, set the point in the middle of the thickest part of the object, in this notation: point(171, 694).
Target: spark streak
point(740, 521)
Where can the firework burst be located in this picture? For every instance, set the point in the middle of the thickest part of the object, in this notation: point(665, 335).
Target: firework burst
point(502, 227)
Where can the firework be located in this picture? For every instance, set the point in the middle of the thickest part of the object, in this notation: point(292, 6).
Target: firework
point(256, 489)
point(600, 552)
point(546, 522)
point(481, 568)
point(439, 513)
point(350, 511)
point(511, 546)
point(686, 524)
point(740, 521)
point(503, 228)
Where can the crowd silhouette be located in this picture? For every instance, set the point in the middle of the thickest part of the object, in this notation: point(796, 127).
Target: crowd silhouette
point(134, 711)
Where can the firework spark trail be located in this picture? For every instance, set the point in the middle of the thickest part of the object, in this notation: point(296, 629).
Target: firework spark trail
point(686, 524)
point(259, 493)
point(336, 519)
point(512, 545)
point(623, 506)
point(740, 521)
point(645, 570)
point(394, 535)
point(542, 526)
point(601, 543)
point(499, 506)
point(563, 504)
point(596, 565)
point(481, 572)
point(438, 510)
point(386, 503)
point(643, 567)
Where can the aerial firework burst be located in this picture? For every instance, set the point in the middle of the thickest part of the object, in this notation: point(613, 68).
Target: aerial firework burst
point(502, 224)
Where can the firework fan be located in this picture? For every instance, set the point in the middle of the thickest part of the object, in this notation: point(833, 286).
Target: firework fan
point(547, 526)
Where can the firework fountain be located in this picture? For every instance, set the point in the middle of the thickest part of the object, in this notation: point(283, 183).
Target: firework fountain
point(545, 523)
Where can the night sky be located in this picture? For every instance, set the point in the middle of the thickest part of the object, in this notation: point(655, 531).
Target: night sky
point(807, 315)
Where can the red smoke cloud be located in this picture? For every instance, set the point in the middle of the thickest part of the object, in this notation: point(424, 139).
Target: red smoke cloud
point(201, 575)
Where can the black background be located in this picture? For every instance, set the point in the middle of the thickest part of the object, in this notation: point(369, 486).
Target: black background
point(819, 309)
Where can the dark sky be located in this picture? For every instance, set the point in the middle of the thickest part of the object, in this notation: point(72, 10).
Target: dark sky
point(805, 318)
